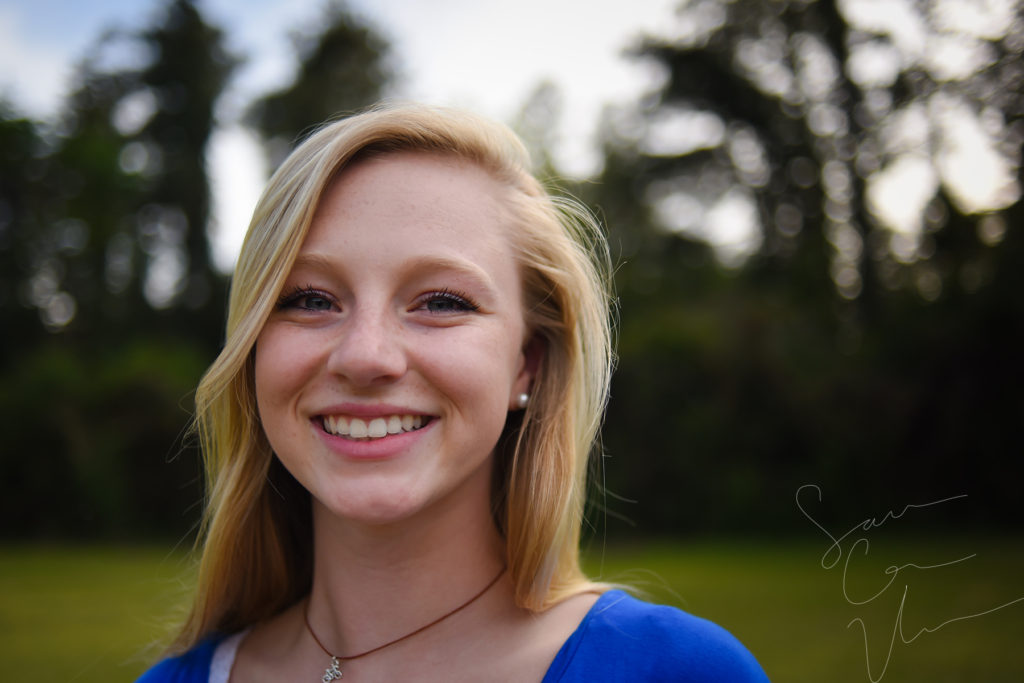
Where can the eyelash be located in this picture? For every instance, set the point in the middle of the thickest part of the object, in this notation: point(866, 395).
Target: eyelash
point(451, 296)
point(291, 296)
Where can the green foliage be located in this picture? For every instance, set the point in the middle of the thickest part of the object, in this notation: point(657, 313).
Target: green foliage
point(20, 182)
point(94, 442)
point(111, 305)
point(830, 354)
point(343, 68)
point(189, 69)
point(123, 199)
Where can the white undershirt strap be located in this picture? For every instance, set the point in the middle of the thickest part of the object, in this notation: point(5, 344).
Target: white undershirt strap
point(224, 657)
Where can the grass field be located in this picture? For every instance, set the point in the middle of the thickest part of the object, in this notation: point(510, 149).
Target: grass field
point(89, 614)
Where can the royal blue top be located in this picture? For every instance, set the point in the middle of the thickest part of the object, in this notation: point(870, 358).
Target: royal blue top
point(620, 639)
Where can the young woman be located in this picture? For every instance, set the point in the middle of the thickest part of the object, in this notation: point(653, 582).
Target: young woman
point(397, 430)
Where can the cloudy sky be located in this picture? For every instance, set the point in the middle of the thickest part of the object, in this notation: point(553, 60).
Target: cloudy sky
point(485, 55)
point(490, 55)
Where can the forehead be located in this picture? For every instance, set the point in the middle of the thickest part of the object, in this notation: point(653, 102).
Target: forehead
point(436, 169)
point(429, 185)
point(413, 203)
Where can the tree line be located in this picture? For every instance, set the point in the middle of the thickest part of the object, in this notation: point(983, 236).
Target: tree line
point(825, 342)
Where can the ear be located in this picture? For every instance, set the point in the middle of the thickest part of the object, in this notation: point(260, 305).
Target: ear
point(530, 358)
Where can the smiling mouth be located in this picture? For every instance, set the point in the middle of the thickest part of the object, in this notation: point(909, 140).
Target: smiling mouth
point(358, 429)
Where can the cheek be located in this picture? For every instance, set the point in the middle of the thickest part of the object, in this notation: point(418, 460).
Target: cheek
point(264, 376)
point(266, 386)
point(278, 371)
point(478, 370)
point(278, 379)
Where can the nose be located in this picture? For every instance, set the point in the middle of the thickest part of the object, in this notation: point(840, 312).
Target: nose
point(368, 349)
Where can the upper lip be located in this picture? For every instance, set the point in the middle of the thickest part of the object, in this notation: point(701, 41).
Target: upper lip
point(370, 410)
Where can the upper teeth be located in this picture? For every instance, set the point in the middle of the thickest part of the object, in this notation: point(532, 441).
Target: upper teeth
point(358, 428)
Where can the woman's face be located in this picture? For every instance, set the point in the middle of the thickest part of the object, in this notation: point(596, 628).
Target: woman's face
point(385, 374)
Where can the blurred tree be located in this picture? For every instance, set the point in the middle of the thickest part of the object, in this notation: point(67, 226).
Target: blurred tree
point(108, 244)
point(819, 148)
point(536, 125)
point(110, 301)
point(343, 67)
point(22, 189)
point(123, 234)
point(92, 201)
point(830, 115)
point(189, 69)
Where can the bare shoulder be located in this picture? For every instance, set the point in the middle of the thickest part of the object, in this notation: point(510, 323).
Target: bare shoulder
point(534, 638)
point(560, 621)
point(269, 649)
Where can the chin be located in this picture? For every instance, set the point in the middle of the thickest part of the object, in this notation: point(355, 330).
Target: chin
point(364, 507)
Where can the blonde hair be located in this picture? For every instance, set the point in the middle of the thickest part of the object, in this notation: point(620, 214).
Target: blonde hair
point(257, 542)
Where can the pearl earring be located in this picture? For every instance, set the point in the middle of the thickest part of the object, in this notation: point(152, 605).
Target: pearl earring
point(522, 400)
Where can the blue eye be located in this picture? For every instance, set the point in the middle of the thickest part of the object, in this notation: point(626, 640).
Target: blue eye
point(306, 299)
point(314, 303)
point(448, 302)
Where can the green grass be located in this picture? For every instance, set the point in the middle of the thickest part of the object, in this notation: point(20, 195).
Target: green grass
point(93, 613)
point(86, 614)
point(792, 614)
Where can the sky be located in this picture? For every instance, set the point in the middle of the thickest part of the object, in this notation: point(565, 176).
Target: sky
point(488, 56)
point(485, 55)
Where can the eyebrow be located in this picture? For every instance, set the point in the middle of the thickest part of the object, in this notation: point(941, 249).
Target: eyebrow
point(313, 262)
point(430, 263)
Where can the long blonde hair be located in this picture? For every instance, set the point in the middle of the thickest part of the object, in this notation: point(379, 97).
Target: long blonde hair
point(257, 543)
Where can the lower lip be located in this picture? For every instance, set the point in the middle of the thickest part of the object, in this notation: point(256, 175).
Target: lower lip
point(389, 446)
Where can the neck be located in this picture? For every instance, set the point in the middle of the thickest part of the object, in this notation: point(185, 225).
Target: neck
point(375, 583)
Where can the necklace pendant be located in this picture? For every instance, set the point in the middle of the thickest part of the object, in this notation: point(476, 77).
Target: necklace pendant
point(332, 673)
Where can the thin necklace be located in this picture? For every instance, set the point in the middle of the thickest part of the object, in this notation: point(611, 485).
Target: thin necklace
point(333, 671)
